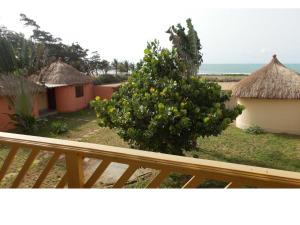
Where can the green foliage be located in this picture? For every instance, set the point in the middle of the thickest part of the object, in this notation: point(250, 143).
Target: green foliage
point(59, 127)
point(104, 66)
point(26, 56)
point(188, 46)
point(254, 130)
point(94, 63)
point(110, 79)
point(115, 65)
point(124, 66)
point(7, 58)
point(21, 101)
point(161, 110)
point(26, 123)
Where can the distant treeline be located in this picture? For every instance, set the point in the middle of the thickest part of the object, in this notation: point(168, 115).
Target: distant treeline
point(24, 56)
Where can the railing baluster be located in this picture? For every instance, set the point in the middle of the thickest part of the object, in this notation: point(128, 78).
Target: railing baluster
point(25, 168)
point(158, 179)
point(46, 170)
point(125, 176)
point(8, 160)
point(194, 182)
point(239, 175)
point(74, 163)
point(98, 172)
point(63, 181)
point(233, 185)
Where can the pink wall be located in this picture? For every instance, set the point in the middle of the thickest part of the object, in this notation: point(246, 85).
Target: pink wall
point(5, 122)
point(66, 100)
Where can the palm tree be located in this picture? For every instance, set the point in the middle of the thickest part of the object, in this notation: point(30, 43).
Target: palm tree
point(115, 64)
point(126, 66)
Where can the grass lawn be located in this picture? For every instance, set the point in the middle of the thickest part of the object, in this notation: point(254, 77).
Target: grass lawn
point(233, 145)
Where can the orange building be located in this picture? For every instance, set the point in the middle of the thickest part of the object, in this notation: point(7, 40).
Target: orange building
point(105, 91)
point(68, 90)
point(10, 87)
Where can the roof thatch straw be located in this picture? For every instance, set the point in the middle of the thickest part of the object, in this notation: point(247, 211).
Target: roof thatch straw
point(10, 85)
point(272, 81)
point(60, 73)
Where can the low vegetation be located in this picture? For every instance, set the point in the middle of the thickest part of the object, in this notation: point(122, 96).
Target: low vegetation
point(254, 130)
point(59, 127)
point(234, 145)
point(110, 79)
point(224, 77)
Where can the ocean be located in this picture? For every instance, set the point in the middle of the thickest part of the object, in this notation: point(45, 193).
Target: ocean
point(237, 68)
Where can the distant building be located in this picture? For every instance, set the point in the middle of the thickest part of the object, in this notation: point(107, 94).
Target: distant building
point(68, 89)
point(10, 87)
point(271, 96)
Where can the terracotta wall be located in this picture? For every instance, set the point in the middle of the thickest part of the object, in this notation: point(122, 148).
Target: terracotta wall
point(66, 100)
point(5, 122)
point(104, 91)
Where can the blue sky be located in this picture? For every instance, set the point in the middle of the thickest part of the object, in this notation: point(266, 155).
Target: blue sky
point(121, 29)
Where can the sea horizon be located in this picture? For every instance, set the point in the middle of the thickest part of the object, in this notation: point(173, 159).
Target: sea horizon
point(238, 68)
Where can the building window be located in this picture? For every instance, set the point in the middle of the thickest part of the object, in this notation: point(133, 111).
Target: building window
point(79, 91)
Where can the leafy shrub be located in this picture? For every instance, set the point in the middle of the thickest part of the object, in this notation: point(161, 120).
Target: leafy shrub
point(161, 110)
point(21, 101)
point(110, 79)
point(26, 123)
point(59, 127)
point(254, 130)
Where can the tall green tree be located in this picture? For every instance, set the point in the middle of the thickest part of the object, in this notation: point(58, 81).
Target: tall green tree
point(104, 66)
point(115, 65)
point(7, 57)
point(48, 48)
point(94, 63)
point(160, 110)
point(188, 46)
point(126, 66)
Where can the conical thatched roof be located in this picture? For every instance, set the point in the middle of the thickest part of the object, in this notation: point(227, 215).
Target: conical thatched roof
point(60, 74)
point(10, 85)
point(272, 81)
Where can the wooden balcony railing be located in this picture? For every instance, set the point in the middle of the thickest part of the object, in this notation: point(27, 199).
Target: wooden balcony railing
point(197, 171)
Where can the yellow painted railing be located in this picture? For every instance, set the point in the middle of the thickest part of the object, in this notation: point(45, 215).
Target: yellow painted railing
point(74, 153)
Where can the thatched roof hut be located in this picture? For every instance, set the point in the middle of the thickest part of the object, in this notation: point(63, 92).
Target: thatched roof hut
point(272, 81)
point(10, 85)
point(271, 97)
point(59, 74)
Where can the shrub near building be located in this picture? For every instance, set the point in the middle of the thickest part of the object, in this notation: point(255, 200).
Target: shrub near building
point(161, 110)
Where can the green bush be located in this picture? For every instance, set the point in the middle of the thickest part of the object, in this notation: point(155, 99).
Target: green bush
point(59, 127)
point(254, 130)
point(26, 123)
point(161, 110)
point(110, 79)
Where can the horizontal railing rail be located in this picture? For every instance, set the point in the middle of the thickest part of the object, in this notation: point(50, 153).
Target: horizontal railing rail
point(197, 170)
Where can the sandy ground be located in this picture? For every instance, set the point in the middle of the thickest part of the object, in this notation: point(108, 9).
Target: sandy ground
point(113, 172)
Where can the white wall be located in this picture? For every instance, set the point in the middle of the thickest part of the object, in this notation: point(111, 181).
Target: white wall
point(273, 115)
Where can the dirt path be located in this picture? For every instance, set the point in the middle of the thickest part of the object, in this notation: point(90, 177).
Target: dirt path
point(114, 170)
